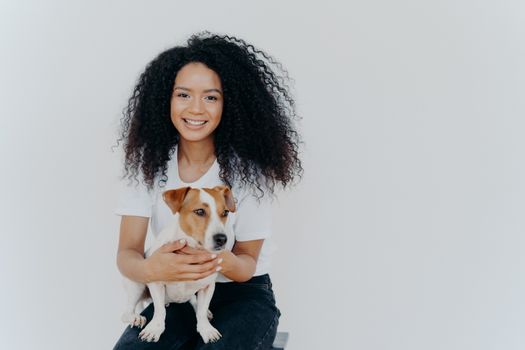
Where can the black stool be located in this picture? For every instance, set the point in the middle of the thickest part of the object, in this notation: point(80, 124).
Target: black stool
point(280, 341)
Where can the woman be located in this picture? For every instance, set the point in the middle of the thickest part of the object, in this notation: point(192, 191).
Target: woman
point(209, 113)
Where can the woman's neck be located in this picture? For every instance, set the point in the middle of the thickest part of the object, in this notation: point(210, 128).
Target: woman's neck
point(196, 153)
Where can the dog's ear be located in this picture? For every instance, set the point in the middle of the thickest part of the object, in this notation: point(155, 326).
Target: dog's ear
point(228, 197)
point(175, 198)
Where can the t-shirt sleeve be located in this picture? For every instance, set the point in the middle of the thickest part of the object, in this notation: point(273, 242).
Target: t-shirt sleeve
point(253, 218)
point(134, 199)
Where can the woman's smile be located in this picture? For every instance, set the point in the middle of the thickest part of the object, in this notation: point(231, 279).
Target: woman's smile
point(194, 123)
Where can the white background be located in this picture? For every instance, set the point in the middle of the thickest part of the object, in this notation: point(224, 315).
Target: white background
point(407, 231)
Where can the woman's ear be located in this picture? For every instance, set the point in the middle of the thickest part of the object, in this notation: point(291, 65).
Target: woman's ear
point(175, 198)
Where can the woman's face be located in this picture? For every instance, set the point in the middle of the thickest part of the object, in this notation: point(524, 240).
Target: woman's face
point(196, 103)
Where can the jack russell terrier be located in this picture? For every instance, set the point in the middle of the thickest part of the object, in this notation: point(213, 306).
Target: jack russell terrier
point(199, 217)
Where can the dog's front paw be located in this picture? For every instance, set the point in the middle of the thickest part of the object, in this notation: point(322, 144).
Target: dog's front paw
point(134, 319)
point(208, 333)
point(152, 331)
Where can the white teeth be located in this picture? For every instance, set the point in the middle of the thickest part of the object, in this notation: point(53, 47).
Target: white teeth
point(195, 122)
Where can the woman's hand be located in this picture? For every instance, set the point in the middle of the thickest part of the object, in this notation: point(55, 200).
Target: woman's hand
point(226, 258)
point(240, 264)
point(176, 261)
point(228, 261)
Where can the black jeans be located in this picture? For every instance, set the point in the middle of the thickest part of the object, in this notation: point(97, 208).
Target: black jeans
point(244, 313)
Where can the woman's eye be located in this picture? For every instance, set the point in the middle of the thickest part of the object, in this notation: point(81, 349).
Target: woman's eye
point(199, 212)
point(213, 98)
point(225, 213)
point(183, 95)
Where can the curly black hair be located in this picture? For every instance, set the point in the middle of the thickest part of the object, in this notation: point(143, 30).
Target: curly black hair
point(256, 144)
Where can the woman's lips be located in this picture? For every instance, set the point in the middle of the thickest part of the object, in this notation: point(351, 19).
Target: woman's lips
point(194, 123)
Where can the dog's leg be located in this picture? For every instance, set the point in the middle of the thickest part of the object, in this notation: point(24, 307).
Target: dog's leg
point(135, 292)
point(156, 326)
point(204, 327)
point(193, 302)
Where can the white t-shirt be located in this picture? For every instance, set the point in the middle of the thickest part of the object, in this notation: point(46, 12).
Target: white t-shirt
point(252, 219)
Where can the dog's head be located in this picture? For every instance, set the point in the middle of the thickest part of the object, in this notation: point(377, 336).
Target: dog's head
point(203, 214)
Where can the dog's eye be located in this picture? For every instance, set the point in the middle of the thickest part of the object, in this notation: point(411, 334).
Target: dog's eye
point(199, 212)
point(225, 212)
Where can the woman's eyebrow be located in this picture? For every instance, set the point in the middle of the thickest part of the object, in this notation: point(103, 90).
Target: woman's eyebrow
point(207, 90)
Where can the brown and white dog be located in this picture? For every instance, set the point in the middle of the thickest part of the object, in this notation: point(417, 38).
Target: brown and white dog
point(199, 217)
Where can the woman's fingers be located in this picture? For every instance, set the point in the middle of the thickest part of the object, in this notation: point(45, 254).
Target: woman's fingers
point(189, 264)
point(192, 276)
point(195, 264)
point(197, 258)
point(201, 268)
point(189, 250)
point(172, 246)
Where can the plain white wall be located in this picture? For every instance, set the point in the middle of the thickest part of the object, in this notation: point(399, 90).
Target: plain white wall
point(407, 231)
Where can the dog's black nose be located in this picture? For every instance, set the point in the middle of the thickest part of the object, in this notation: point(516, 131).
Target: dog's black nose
point(220, 239)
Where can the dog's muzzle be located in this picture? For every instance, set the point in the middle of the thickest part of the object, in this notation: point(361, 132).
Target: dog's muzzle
point(219, 240)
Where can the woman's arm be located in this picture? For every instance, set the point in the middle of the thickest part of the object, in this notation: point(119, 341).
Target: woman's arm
point(239, 264)
point(130, 255)
point(163, 264)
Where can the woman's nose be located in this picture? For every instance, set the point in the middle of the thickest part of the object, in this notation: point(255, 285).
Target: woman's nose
point(196, 106)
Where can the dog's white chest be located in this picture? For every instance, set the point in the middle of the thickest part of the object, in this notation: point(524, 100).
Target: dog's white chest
point(180, 292)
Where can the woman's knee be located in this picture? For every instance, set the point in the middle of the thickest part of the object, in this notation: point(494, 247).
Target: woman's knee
point(250, 326)
point(129, 340)
point(179, 328)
